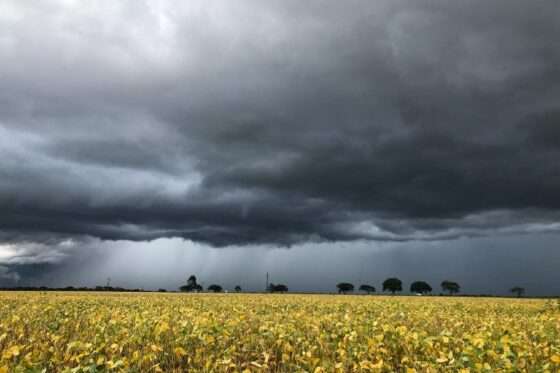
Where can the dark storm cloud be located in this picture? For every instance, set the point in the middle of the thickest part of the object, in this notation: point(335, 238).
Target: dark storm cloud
point(280, 122)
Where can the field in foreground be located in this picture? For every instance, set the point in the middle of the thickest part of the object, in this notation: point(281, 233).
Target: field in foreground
point(94, 332)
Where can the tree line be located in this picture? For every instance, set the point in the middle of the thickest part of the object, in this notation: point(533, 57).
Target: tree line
point(395, 285)
point(192, 285)
point(391, 284)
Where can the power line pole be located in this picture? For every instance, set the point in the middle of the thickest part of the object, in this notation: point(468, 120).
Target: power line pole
point(266, 288)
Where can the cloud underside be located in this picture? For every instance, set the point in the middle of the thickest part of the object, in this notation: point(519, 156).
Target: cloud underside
point(278, 123)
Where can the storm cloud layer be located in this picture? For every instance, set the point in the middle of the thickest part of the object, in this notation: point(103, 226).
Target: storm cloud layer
point(277, 123)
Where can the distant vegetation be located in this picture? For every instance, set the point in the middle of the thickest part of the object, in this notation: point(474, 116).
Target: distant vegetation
point(392, 284)
point(191, 285)
point(344, 287)
point(72, 288)
point(517, 290)
point(450, 286)
point(215, 288)
point(278, 288)
point(367, 288)
point(420, 287)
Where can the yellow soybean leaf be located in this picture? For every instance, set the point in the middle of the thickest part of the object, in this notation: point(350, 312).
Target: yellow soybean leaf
point(11, 352)
point(180, 351)
point(156, 348)
point(162, 328)
point(378, 365)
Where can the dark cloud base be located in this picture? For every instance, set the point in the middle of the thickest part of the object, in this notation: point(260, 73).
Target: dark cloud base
point(279, 123)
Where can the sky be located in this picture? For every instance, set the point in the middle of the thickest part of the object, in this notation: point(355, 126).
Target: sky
point(319, 141)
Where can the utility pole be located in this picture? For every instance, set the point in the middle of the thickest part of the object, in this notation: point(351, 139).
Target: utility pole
point(266, 288)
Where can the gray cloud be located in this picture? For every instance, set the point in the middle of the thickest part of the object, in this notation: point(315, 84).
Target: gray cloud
point(7, 275)
point(277, 123)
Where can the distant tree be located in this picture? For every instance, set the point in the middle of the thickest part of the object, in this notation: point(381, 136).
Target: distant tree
point(392, 284)
point(191, 285)
point(344, 287)
point(161, 290)
point(420, 287)
point(519, 291)
point(238, 289)
point(367, 288)
point(215, 288)
point(450, 286)
point(279, 288)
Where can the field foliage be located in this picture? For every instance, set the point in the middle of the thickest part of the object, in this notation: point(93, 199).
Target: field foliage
point(97, 332)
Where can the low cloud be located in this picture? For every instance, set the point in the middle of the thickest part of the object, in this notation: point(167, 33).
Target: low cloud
point(7, 275)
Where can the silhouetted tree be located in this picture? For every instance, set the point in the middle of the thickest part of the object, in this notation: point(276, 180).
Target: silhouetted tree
point(450, 286)
point(519, 291)
point(392, 284)
point(344, 287)
point(367, 288)
point(280, 288)
point(191, 285)
point(420, 287)
point(215, 288)
point(192, 280)
point(238, 289)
